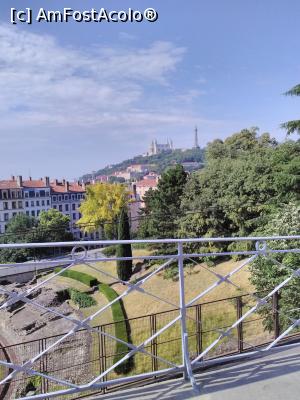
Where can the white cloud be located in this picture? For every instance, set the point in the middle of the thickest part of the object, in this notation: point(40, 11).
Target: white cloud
point(42, 82)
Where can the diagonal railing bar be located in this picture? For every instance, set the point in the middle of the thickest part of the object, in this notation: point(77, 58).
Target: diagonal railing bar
point(32, 372)
point(138, 348)
point(260, 303)
point(284, 334)
point(224, 279)
point(81, 324)
point(137, 286)
point(20, 296)
point(187, 366)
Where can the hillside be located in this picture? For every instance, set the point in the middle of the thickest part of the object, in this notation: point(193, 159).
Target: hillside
point(158, 162)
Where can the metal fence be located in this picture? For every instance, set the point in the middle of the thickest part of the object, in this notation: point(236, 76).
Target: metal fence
point(177, 341)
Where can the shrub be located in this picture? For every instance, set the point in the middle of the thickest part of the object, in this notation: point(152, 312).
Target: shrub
point(79, 276)
point(110, 251)
point(82, 299)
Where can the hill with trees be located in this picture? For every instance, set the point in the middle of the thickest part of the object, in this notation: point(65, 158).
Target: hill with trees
point(158, 162)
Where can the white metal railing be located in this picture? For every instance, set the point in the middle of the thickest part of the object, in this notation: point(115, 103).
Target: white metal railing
point(187, 365)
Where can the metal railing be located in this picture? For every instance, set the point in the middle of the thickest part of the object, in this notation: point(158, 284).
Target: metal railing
point(178, 323)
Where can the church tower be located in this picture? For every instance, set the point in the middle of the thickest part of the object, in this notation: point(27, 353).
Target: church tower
point(196, 144)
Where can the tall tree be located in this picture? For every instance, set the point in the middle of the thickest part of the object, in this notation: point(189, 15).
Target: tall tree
point(102, 206)
point(266, 273)
point(124, 267)
point(292, 126)
point(159, 217)
point(246, 176)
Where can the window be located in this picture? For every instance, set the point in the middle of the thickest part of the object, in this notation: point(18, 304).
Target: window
point(37, 203)
point(5, 195)
point(26, 194)
point(27, 212)
point(37, 194)
point(5, 205)
point(26, 203)
point(14, 205)
point(60, 207)
point(54, 198)
point(14, 214)
point(33, 213)
point(42, 193)
point(32, 203)
point(20, 204)
point(31, 193)
point(67, 207)
point(73, 196)
point(38, 213)
point(74, 215)
point(48, 202)
point(73, 207)
point(47, 193)
point(55, 206)
point(59, 198)
point(66, 197)
point(6, 217)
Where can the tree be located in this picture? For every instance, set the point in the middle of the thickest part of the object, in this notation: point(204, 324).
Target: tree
point(292, 126)
point(52, 226)
point(159, 217)
point(17, 231)
point(245, 178)
point(102, 206)
point(267, 274)
point(124, 267)
point(55, 226)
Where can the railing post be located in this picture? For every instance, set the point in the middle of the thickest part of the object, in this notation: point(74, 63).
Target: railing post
point(198, 310)
point(184, 335)
point(239, 314)
point(276, 315)
point(153, 342)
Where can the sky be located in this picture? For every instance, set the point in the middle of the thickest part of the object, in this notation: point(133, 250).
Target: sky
point(75, 97)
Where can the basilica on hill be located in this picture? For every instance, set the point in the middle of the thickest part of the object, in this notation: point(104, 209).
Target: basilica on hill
point(157, 148)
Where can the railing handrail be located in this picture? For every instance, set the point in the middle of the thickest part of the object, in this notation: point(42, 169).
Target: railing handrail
point(147, 241)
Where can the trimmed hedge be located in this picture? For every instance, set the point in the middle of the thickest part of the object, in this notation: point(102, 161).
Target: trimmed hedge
point(78, 276)
point(121, 329)
point(81, 298)
point(110, 251)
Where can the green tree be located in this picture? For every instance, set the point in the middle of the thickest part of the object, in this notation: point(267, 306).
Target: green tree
point(292, 126)
point(55, 226)
point(102, 206)
point(17, 231)
point(124, 267)
point(267, 273)
point(245, 178)
point(159, 217)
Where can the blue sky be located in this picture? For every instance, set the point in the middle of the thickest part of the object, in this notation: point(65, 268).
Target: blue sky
point(76, 97)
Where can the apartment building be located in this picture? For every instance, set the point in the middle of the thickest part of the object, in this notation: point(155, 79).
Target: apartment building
point(33, 196)
point(11, 201)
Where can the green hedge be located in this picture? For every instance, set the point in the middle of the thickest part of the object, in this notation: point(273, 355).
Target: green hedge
point(110, 251)
point(82, 299)
point(121, 329)
point(78, 276)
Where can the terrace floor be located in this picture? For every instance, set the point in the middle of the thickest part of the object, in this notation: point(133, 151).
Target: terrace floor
point(274, 376)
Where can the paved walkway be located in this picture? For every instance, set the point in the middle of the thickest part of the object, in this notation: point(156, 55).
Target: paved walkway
point(275, 376)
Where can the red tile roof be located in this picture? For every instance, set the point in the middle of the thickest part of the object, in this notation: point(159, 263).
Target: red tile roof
point(147, 183)
point(62, 188)
point(35, 183)
point(57, 187)
point(9, 184)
